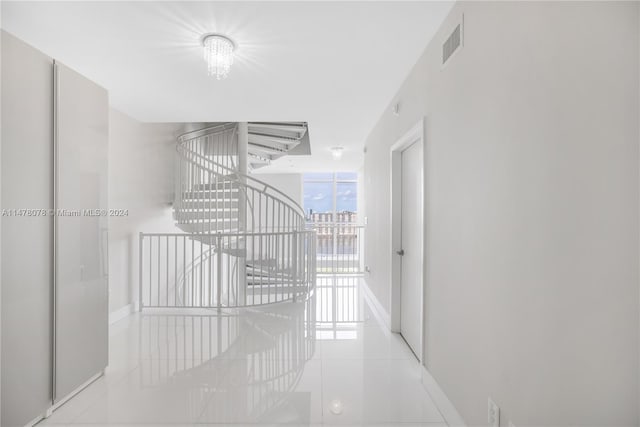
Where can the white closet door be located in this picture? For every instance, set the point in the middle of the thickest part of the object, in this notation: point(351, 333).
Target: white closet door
point(27, 241)
point(81, 301)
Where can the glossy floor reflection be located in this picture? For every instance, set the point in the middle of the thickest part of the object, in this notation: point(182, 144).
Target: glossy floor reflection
point(323, 361)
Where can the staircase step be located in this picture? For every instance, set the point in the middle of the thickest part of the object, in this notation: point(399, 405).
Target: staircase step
point(264, 263)
point(253, 166)
point(256, 281)
point(266, 268)
point(209, 226)
point(205, 214)
point(286, 287)
point(261, 275)
point(261, 152)
point(271, 144)
point(214, 204)
point(288, 129)
point(237, 252)
point(255, 157)
point(228, 194)
point(225, 185)
point(211, 239)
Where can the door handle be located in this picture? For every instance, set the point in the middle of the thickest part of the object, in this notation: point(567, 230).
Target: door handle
point(400, 252)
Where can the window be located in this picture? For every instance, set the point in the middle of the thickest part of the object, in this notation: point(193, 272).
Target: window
point(331, 197)
point(331, 205)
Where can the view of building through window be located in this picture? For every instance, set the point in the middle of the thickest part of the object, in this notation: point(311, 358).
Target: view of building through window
point(331, 206)
point(331, 197)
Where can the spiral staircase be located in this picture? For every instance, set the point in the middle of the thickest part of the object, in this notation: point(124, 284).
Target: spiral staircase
point(244, 242)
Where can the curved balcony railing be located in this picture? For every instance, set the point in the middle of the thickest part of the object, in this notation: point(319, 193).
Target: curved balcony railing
point(229, 270)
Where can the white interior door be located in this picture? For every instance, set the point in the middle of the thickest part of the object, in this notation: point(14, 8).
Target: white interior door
point(412, 235)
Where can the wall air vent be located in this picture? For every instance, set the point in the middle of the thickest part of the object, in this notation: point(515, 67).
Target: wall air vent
point(452, 44)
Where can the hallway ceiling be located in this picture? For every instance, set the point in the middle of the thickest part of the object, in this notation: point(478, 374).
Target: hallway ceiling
point(335, 65)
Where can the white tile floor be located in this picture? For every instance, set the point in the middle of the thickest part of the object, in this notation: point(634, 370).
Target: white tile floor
point(323, 361)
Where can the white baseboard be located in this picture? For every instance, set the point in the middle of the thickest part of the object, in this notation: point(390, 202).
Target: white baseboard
point(444, 405)
point(378, 310)
point(121, 313)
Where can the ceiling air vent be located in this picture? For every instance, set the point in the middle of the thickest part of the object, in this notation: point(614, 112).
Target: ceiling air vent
point(452, 43)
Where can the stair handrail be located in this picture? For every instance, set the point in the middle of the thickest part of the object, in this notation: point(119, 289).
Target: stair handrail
point(206, 131)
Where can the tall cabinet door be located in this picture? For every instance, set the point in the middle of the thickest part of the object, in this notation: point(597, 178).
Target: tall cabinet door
point(81, 283)
point(27, 239)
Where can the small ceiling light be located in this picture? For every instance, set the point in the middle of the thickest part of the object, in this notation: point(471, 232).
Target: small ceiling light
point(336, 152)
point(218, 52)
point(335, 406)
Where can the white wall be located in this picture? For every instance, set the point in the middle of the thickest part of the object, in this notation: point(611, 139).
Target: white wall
point(532, 215)
point(289, 183)
point(141, 171)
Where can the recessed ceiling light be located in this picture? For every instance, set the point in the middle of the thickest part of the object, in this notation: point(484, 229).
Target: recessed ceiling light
point(218, 52)
point(335, 406)
point(336, 152)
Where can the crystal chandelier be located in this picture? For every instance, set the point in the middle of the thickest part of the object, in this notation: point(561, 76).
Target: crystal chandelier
point(218, 52)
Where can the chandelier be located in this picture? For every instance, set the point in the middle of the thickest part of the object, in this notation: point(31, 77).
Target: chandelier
point(218, 52)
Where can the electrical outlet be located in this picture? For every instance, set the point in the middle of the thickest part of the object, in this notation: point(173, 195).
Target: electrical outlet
point(493, 414)
point(511, 424)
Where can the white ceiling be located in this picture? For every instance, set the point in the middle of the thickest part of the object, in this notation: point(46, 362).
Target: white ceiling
point(335, 65)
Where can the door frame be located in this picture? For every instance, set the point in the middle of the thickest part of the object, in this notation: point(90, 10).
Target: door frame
point(415, 135)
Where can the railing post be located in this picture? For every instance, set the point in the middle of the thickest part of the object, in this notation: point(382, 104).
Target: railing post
point(243, 147)
point(243, 158)
point(294, 252)
point(218, 253)
point(310, 260)
point(314, 261)
point(361, 249)
point(334, 254)
point(243, 154)
point(140, 242)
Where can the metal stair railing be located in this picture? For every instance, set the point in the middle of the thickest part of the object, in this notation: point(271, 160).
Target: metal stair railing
point(203, 177)
point(213, 279)
point(244, 241)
